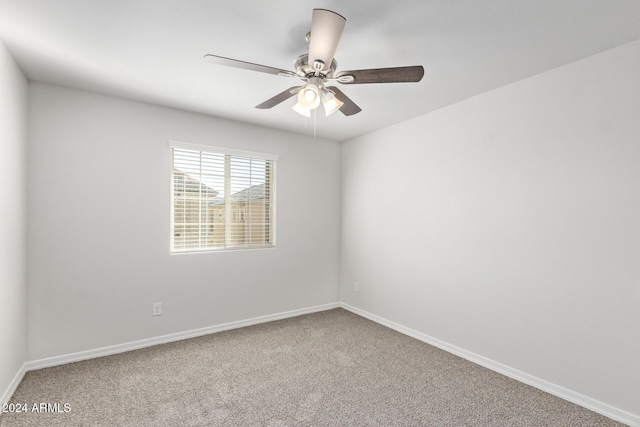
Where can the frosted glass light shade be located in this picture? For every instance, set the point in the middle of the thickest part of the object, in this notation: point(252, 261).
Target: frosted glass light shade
point(309, 97)
point(302, 110)
point(331, 103)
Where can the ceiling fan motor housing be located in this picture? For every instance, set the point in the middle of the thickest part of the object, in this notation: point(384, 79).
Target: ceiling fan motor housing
point(305, 70)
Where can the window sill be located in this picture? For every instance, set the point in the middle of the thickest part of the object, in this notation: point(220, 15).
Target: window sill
point(219, 250)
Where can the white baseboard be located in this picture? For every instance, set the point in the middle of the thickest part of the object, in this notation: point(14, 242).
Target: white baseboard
point(135, 345)
point(13, 385)
point(554, 389)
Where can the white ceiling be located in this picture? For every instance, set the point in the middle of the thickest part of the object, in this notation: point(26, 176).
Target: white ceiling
point(151, 50)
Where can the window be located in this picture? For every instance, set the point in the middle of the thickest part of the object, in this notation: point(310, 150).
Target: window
point(221, 198)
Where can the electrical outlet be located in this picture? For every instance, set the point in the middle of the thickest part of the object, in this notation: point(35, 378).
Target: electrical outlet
point(157, 308)
point(356, 287)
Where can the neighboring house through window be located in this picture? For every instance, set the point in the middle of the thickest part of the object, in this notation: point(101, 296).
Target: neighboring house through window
point(221, 198)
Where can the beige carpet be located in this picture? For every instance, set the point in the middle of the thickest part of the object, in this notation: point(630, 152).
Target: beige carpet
point(325, 369)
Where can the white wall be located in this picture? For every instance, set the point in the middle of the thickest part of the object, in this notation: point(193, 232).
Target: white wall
point(99, 194)
point(13, 199)
point(508, 225)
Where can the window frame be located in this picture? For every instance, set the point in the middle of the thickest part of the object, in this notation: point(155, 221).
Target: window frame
point(226, 151)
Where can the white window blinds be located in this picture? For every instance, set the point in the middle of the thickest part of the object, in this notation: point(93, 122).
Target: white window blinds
point(221, 198)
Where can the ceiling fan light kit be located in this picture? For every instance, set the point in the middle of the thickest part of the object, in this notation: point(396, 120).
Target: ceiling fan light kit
point(318, 67)
point(308, 99)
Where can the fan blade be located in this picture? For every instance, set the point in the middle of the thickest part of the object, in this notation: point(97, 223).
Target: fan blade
point(326, 30)
point(349, 108)
point(282, 96)
point(382, 75)
point(221, 60)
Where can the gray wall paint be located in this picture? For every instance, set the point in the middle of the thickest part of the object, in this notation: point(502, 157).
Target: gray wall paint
point(13, 199)
point(99, 225)
point(507, 225)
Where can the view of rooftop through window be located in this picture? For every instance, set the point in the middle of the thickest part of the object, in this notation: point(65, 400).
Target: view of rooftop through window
point(220, 201)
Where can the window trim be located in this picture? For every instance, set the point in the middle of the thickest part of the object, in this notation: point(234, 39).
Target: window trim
point(231, 152)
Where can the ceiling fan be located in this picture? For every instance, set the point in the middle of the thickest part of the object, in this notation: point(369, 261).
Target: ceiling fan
point(318, 67)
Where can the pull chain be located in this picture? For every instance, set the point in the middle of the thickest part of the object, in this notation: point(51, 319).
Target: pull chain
point(315, 119)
